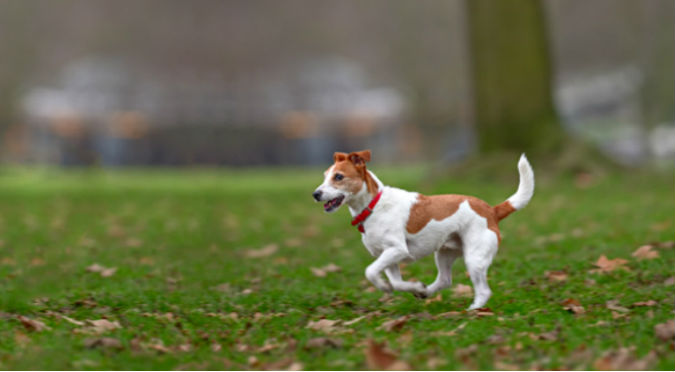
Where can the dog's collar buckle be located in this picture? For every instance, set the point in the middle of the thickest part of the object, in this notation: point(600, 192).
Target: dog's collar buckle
point(365, 213)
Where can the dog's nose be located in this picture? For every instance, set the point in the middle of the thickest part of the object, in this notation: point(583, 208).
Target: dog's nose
point(317, 195)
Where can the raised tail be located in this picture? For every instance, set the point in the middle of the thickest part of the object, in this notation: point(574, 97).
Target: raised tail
point(522, 196)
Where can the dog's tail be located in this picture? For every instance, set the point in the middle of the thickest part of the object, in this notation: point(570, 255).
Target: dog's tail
point(520, 199)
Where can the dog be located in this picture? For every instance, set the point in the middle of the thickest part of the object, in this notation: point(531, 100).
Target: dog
point(402, 226)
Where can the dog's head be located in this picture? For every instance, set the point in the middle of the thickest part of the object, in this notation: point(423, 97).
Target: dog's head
point(344, 180)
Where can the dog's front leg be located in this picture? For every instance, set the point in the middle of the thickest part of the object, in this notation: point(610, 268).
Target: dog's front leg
point(416, 288)
point(390, 256)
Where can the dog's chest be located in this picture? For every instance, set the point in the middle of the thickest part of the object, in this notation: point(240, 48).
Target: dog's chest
point(386, 226)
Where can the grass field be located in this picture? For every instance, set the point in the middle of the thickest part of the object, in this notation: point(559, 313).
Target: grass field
point(212, 269)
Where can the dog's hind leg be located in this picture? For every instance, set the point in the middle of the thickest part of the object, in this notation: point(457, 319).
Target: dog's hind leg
point(444, 259)
point(478, 253)
point(397, 282)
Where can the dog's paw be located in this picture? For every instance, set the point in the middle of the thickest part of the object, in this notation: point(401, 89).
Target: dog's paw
point(421, 291)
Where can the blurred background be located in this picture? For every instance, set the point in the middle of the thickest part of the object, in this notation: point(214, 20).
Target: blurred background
point(241, 83)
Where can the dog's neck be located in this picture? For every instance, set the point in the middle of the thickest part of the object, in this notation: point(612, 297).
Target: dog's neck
point(361, 200)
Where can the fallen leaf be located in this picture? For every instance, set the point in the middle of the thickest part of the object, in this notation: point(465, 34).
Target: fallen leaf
point(502, 366)
point(665, 331)
point(324, 325)
point(320, 342)
point(645, 252)
point(379, 358)
point(556, 276)
point(624, 359)
point(395, 324)
point(462, 290)
point(72, 321)
point(666, 244)
point(483, 311)
point(101, 326)
point(216, 347)
point(605, 265)
point(267, 250)
point(322, 271)
point(318, 272)
point(438, 298)
point(670, 281)
point(223, 287)
point(159, 347)
point(95, 268)
point(433, 363)
point(449, 314)
point(102, 270)
point(450, 333)
point(32, 324)
point(645, 303)
point(354, 321)
point(104, 342)
point(573, 306)
point(614, 305)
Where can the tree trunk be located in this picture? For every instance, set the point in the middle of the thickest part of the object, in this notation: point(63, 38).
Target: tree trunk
point(513, 103)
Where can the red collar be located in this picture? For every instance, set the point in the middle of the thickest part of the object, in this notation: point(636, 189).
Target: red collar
point(358, 220)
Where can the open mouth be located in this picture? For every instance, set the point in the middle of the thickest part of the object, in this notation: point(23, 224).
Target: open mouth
point(333, 204)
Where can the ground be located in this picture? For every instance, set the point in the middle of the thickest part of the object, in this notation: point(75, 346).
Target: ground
point(240, 269)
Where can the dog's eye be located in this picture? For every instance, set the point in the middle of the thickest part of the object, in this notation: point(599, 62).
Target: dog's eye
point(338, 177)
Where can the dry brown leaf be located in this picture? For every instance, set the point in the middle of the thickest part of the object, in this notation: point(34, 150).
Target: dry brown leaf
point(503, 366)
point(318, 272)
point(355, 320)
point(108, 272)
point(462, 290)
point(95, 268)
point(666, 244)
point(483, 311)
point(438, 298)
point(645, 252)
point(379, 358)
point(265, 251)
point(624, 359)
point(614, 305)
point(605, 265)
point(645, 303)
point(670, 281)
point(324, 325)
point(32, 324)
point(395, 324)
point(320, 342)
point(104, 342)
point(101, 326)
point(72, 321)
point(665, 331)
point(450, 333)
point(449, 314)
point(574, 306)
point(159, 347)
point(322, 271)
point(556, 276)
point(433, 363)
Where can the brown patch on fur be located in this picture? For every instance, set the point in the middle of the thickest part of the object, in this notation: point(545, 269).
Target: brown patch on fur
point(353, 180)
point(353, 167)
point(503, 209)
point(439, 207)
point(486, 211)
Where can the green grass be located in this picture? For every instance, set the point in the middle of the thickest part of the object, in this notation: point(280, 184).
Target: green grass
point(176, 237)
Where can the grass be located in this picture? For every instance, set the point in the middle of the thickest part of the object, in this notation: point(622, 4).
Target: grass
point(187, 296)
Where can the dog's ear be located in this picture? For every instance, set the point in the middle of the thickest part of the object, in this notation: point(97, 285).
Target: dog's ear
point(360, 158)
point(339, 156)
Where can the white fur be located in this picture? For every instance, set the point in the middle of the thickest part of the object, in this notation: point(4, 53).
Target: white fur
point(464, 233)
point(526, 186)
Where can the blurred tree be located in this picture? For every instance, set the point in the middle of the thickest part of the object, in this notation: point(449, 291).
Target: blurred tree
point(512, 88)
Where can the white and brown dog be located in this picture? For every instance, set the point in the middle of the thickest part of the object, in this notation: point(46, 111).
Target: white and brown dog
point(402, 226)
